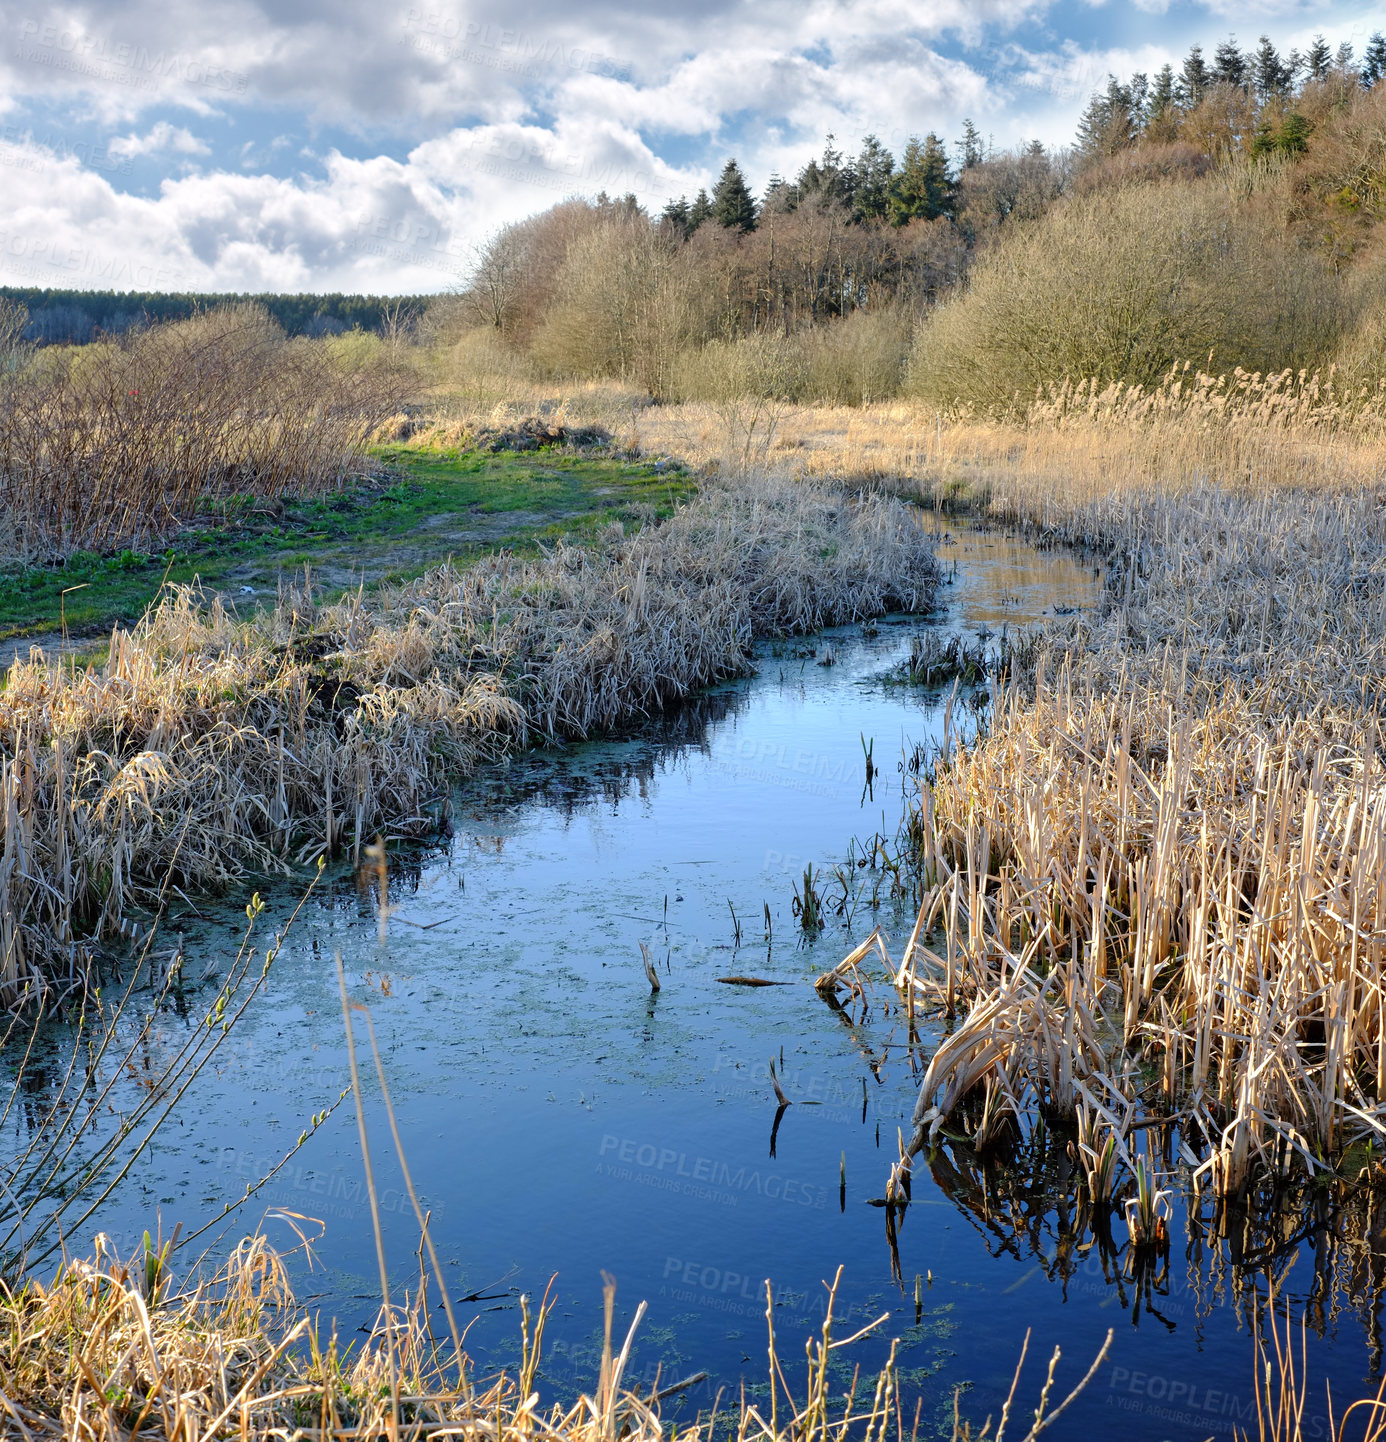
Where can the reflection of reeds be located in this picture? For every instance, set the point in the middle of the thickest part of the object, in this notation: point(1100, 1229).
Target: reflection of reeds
point(206, 744)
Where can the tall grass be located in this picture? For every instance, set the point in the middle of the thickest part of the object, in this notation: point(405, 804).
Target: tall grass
point(206, 744)
point(121, 442)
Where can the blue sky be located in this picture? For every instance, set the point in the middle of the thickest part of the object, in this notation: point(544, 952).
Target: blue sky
point(368, 146)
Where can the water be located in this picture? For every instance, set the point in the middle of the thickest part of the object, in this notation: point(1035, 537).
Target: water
point(561, 1121)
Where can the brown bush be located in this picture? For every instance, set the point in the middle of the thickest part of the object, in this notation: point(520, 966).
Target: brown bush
point(117, 443)
point(1122, 284)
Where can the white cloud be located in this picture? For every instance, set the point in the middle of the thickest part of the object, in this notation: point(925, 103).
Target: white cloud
point(162, 137)
point(497, 114)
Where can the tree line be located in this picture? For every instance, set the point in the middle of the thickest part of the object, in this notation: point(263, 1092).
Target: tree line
point(76, 317)
point(1278, 160)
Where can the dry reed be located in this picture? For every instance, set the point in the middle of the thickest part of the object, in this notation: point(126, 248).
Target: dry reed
point(1157, 878)
point(111, 1348)
point(205, 744)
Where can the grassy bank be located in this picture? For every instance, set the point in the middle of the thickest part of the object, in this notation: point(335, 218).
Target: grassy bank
point(205, 745)
point(422, 505)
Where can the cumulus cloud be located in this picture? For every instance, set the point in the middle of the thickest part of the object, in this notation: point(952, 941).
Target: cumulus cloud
point(161, 137)
point(420, 127)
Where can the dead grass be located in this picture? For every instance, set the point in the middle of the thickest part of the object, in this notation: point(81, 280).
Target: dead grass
point(1157, 879)
point(109, 1349)
point(206, 744)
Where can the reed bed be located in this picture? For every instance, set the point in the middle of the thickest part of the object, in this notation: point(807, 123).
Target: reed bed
point(121, 443)
point(206, 744)
point(1078, 441)
point(1156, 879)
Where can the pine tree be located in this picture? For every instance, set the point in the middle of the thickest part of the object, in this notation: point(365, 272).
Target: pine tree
point(1294, 134)
point(1229, 64)
point(1193, 78)
point(1161, 99)
point(733, 206)
point(1108, 124)
point(676, 216)
point(1138, 93)
point(699, 212)
point(829, 178)
point(923, 187)
point(780, 197)
point(1318, 59)
point(1342, 58)
point(1374, 61)
point(871, 173)
point(970, 148)
point(1270, 77)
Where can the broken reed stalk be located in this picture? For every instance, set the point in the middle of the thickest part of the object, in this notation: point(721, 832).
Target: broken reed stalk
point(651, 975)
point(206, 745)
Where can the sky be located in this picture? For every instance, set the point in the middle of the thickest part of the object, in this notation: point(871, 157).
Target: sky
point(372, 146)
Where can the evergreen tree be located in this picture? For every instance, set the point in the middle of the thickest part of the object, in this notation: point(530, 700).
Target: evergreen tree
point(1229, 64)
point(871, 174)
point(1294, 134)
point(733, 206)
point(923, 187)
point(1193, 78)
point(676, 216)
point(1161, 100)
point(1318, 59)
point(971, 151)
point(1108, 124)
point(1342, 58)
point(780, 197)
point(1270, 76)
point(1291, 139)
point(829, 178)
point(1374, 60)
point(1035, 149)
point(699, 212)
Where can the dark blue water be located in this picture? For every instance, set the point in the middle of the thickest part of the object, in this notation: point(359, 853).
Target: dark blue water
point(561, 1121)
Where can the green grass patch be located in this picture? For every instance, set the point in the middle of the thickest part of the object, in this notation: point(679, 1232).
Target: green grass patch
point(421, 508)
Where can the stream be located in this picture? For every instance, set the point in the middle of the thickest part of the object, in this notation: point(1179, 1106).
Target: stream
point(560, 1120)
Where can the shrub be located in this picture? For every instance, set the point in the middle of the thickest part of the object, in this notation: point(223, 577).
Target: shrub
point(1122, 284)
point(113, 444)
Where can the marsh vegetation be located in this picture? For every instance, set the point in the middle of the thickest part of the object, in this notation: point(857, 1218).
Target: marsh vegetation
point(1142, 865)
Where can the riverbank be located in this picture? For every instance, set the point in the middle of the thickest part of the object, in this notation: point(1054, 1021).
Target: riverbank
point(205, 745)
